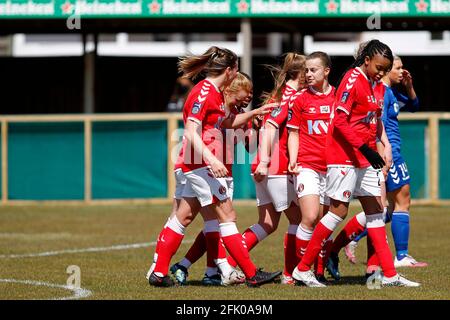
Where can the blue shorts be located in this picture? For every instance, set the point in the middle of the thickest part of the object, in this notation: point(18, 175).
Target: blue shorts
point(398, 174)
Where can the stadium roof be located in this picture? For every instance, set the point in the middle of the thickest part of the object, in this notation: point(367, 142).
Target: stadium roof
point(160, 16)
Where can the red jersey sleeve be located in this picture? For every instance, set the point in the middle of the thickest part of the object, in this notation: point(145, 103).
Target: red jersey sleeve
point(294, 113)
point(347, 94)
point(278, 115)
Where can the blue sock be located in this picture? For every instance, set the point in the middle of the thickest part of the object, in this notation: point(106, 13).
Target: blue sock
point(361, 235)
point(400, 232)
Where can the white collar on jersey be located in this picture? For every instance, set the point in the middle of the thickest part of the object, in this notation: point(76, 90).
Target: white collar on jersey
point(327, 92)
point(217, 89)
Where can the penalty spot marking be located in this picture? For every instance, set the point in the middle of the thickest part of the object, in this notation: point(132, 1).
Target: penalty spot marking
point(77, 293)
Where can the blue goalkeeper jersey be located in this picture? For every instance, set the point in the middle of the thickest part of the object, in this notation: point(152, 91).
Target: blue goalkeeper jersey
point(394, 101)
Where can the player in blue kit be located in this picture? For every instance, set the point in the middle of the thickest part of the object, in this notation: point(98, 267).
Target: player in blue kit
point(398, 178)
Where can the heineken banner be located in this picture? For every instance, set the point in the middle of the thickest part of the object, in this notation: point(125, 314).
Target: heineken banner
point(221, 8)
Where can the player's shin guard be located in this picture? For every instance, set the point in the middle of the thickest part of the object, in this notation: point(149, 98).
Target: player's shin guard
point(400, 232)
point(235, 245)
point(352, 229)
point(321, 233)
point(252, 236)
point(170, 242)
point(290, 253)
point(377, 235)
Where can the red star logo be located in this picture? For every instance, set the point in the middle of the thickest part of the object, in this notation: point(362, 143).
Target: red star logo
point(154, 7)
point(242, 6)
point(422, 6)
point(67, 8)
point(332, 6)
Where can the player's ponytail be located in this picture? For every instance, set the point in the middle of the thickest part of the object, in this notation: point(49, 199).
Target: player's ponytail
point(211, 63)
point(293, 65)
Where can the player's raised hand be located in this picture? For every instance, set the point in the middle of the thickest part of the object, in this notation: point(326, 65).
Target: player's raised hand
point(407, 79)
point(265, 109)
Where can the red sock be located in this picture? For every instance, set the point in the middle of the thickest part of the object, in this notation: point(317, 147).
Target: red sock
point(235, 245)
point(321, 233)
point(290, 253)
point(319, 264)
point(158, 243)
point(377, 235)
point(302, 239)
point(197, 249)
point(372, 259)
point(251, 240)
point(215, 249)
point(170, 242)
point(353, 228)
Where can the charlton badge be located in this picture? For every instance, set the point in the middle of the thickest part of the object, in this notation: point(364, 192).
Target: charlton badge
point(222, 190)
point(347, 194)
point(301, 187)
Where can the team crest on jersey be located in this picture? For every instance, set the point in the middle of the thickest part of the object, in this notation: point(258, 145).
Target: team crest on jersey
point(324, 109)
point(301, 187)
point(222, 190)
point(275, 112)
point(344, 97)
point(196, 107)
point(312, 110)
point(347, 194)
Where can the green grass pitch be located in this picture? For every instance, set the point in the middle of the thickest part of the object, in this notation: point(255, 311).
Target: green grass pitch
point(120, 274)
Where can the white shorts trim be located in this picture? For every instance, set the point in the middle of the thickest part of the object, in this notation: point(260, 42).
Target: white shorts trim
point(343, 183)
point(202, 184)
point(309, 182)
point(278, 190)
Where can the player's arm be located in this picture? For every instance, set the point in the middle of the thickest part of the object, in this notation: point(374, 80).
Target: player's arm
point(410, 102)
point(383, 139)
point(237, 121)
point(342, 126)
point(293, 125)
point(265, 149)
point(293, 143)
point(192, 134)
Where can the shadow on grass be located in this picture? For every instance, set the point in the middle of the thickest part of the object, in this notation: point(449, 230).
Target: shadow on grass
point(347, 280)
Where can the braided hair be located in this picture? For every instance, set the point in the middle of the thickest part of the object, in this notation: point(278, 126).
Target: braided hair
point(369, 49)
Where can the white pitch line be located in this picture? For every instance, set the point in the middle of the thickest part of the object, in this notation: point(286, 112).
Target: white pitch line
point(78, 293)
point(69, 251)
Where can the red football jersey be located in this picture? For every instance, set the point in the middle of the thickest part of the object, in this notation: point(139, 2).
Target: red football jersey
point(204, 105)
point(355, 97)
point(278, 117)
point(310, 113)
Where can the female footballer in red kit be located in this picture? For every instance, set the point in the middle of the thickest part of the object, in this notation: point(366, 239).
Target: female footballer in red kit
point(208, 183)
point(354, 163)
